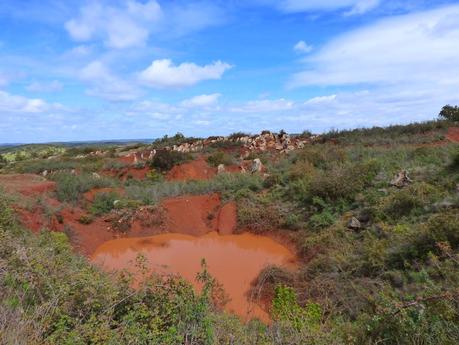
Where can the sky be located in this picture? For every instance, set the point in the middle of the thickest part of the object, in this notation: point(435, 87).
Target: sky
point(128, 69)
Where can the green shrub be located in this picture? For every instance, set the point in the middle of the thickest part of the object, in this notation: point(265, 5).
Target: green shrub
point(69, 187)
point(321, 220)
point(167, 141)
point(219, 157)
point(86, 219)
point(286, 308)
point(336, 182)
point(164, 160)
point(258, 215)
point(425, 239)
point(411, 199)
point(103, 203)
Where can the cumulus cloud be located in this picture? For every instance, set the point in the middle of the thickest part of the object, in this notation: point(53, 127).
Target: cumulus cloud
point(52, 86)
point(164, 74)
point(302, 47)
point(19, 105)
point(131, 23)
point(106, 85)
point(119, 27)
point(201, 101)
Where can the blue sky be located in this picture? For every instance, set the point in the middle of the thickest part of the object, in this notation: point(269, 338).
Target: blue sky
point(85, 70)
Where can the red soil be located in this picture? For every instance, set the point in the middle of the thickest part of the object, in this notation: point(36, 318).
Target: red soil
point(194, 170)
point(126, 173)
point(85, 237)
point(26, 184)
point(127, 159)
point(33, 220)
point(192, 215)
point(195, 215)
point(453, 134)
point(227, 219)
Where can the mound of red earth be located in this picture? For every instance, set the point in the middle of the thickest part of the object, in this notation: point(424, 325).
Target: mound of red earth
point(453, 134)
point(128, 172)
point(194, 215)
point(194, 170)
point(26, 184)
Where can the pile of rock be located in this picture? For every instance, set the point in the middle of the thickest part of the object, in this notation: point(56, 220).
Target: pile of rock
point(140, 156)
point(265, 141)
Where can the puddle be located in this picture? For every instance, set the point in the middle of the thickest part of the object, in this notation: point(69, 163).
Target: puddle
point(234, 260)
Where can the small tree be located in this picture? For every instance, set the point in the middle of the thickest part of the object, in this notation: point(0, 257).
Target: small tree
point(450, 113)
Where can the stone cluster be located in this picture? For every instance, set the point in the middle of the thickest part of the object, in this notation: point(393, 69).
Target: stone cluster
point(265, 141)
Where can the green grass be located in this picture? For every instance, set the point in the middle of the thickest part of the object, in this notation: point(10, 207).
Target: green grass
point(229, 184)
point(69, 187)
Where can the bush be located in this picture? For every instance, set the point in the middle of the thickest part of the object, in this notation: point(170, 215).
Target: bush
point(337, 182)
point(103, 203)
point(69, 187)
point(421, 241)
point(286, 308)
point(411, 199)
point(219, 157)
point(165, 160)
point(259, 215)
point(167, 141)
point(86, 219)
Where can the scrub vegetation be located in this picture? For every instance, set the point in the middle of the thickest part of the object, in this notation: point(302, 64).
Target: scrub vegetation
point(378, 261)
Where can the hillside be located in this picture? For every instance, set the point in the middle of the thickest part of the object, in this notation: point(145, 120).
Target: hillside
point(360, 229)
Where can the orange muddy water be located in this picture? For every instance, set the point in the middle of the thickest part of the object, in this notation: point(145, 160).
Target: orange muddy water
point(234, 260)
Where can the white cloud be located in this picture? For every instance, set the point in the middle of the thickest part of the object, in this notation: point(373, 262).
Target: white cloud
point(265, 105)
point(107, 85)
point(302, 47)
point(164, 74)
point(18, 104)
point(130, 23)
point(362, 7)
point(351, 6)
point(321, 99)
point(411, 49)
point(52, 86)
point(123, 27)
point(201, 101)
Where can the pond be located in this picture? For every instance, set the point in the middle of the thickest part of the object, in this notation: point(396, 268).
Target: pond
point(234, 260)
